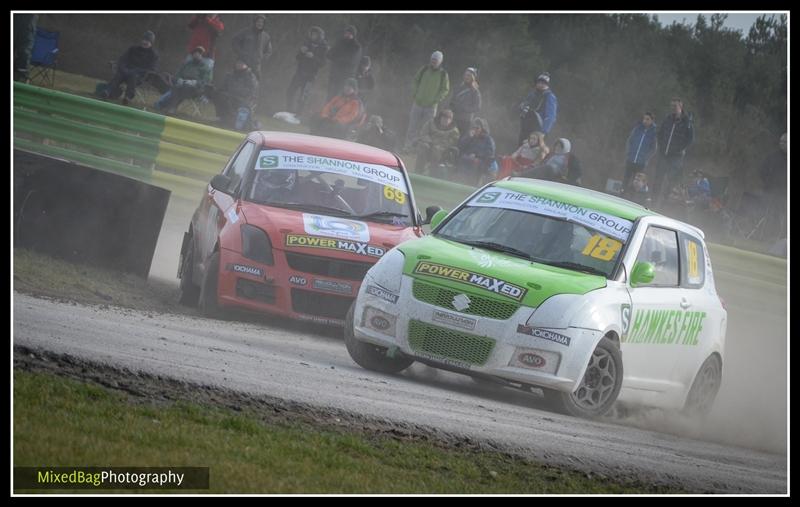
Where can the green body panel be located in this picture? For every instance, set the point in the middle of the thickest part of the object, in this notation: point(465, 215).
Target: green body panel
point(537, 281)
point(578, 196)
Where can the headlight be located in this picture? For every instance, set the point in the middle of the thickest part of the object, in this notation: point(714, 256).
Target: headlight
point(388, 271)
point(256, 244)
point(556, 312)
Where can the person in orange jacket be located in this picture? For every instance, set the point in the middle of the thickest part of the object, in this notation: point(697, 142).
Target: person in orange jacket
point(340, 114)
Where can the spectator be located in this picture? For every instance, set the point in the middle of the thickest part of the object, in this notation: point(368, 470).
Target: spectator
point(310, 58)
point(532, 152)
point(235, 102)
point(538, 110)
point(375, 134)
point(431, 86)
point(466, 101)
point(253, 45)
point(675, 134)
point(24, 37)
point(135, 66)
point(639, 191)
point(700, 190)
point(366, 83)
point(476, 152)
point(640, 146)
point(341, 113)
point(560, 165)
point(438, 142)
point(774, 174)
point(190, 81)
point(205, 30)
point(344, 56)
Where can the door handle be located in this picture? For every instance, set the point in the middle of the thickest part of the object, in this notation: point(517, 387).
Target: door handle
point(685, 304)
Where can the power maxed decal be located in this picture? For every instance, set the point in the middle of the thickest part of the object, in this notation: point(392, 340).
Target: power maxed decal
point(358, 248)
point(489, 283)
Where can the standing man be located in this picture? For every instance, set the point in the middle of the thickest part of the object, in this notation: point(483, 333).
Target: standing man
point(344, 56)
point(431, 86)
point(774, 176)
point(538, 110)
point(253, 45)
point(675, 134)
point(641, 145)
point(310, 58)
point(205, 30)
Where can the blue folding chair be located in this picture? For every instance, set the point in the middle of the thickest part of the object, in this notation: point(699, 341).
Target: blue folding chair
point(43, 57)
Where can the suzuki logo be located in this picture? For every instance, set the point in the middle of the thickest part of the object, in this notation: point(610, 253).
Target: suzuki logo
point(461, 302)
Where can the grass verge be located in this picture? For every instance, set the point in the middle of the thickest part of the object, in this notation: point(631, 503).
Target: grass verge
point(100, 427)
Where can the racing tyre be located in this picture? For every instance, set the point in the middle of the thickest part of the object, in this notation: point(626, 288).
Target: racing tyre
point(704, 388)
point(369, 356)
point(209, 305)
point(190, 293)
point(599, 386)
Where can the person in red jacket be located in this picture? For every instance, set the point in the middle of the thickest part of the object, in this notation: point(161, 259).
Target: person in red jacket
point(205, 30)
point(340, 114)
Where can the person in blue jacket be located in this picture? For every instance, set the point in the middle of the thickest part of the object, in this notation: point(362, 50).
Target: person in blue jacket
point(640, 147)
point(539, 109)
point(476, 152)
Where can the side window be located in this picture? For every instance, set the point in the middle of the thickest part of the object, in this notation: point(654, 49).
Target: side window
point(660, 248)
point(693, 262)
point(238, 167)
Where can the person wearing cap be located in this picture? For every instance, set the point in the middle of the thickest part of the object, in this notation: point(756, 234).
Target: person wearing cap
point(235, 101)
point(310, 59)
point(466, 101)
point(253, 45)
point(476, 152)
point(190, 81)
point(136, 65)
point(431, 85)
point(341, 113)
point(205, 30)
point(675, 135)
point(345, 56)
point(539, 109)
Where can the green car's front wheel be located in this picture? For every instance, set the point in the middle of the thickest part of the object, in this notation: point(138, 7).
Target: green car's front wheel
point(369, 356)
point(599, 387)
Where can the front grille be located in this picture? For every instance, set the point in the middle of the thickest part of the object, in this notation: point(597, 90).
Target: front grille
point(249, 289)
point(442, 342)
point(349, 270)
point(321, 305)
point(482, 306)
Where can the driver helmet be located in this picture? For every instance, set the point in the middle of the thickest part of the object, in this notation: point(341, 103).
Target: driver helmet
point(284, 179)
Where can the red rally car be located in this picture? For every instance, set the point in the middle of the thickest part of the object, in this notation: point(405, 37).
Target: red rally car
point(292, 224)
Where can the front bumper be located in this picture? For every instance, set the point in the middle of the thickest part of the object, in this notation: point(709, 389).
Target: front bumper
point(282, 290)
point(504, 348)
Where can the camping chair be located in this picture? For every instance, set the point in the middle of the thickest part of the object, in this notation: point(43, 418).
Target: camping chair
point(43, 57)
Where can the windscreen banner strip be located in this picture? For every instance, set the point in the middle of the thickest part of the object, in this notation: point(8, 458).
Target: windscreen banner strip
point(494, 197)
point(282, 159)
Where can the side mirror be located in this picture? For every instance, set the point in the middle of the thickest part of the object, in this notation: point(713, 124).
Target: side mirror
point(429, 212)
point(642, 274)
point(221, 182)
point(437, 218)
